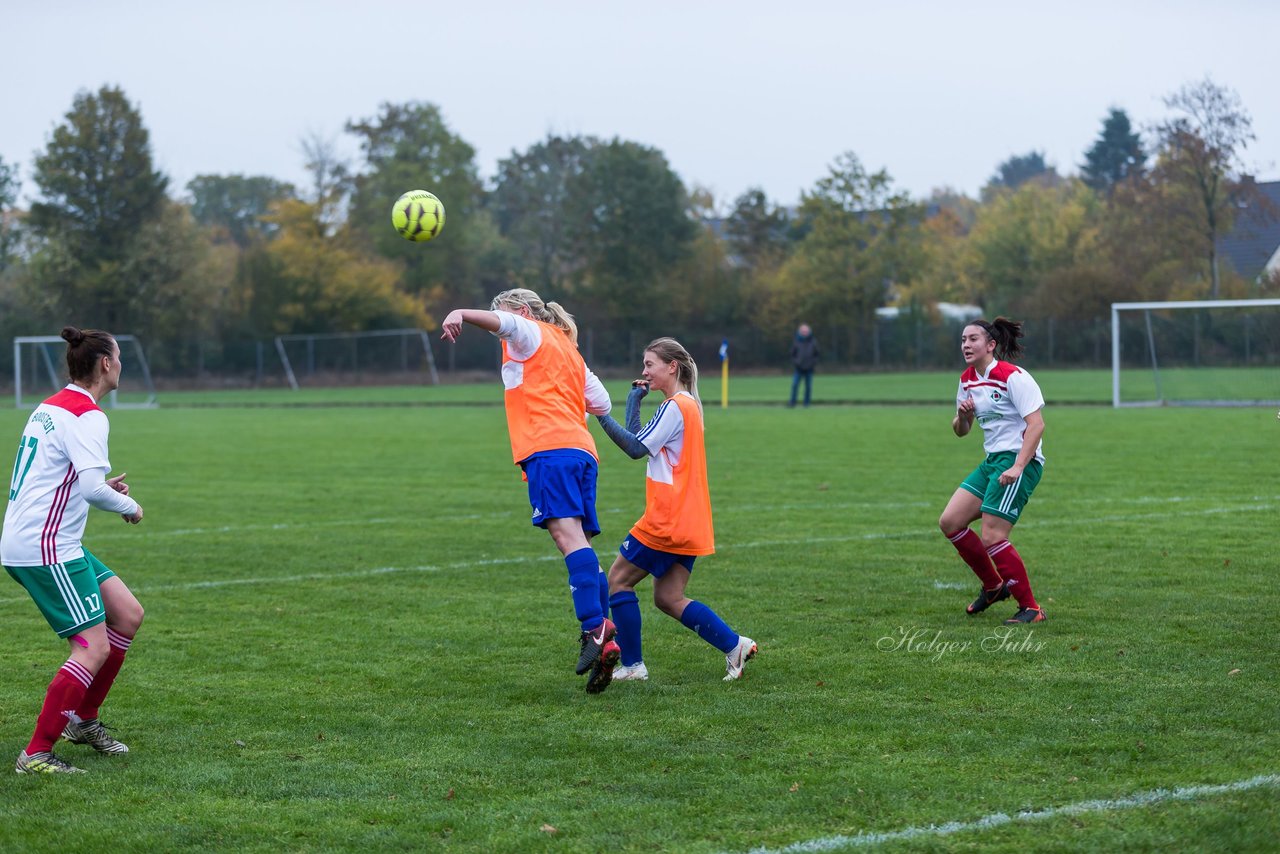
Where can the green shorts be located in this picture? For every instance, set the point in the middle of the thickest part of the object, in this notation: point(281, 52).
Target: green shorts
point(1007, 502)
point(68, 594)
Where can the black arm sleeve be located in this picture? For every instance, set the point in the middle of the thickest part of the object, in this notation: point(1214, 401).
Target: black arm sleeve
point(622, 437)
point(634, 397)
point(625, 437)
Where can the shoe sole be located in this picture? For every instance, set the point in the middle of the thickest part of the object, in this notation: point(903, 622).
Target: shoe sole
point(110, 751)
point(1041, 619)
point(602, 675)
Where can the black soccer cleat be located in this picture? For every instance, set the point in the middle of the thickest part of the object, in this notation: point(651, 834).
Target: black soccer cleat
point(987, 598)
point(1026, 615)
point(593, 644)
point(602, 670)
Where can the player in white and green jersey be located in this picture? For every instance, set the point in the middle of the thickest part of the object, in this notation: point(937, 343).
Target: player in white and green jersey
point(60, 471)
point(1007, 404)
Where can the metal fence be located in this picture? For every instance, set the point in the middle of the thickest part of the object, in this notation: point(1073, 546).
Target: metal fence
point(910, 341)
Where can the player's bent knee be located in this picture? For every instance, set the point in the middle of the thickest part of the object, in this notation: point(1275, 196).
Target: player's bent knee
point(92, 653)
point(670, 607)
point(127, 620)
point(134, 623)
point(991, 538)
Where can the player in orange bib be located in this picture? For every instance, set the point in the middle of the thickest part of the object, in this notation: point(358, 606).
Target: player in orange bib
point(549, 391)
point(676, 526)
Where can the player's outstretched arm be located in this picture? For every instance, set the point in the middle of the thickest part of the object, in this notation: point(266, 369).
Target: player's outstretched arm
point(451, 328)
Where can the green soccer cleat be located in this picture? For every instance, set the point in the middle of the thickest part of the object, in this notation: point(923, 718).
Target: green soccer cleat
point(44, 762)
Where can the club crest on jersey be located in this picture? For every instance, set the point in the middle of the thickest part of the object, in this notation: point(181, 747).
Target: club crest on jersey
point(995, 395)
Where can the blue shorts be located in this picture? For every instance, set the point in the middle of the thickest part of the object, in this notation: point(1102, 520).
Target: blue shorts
point(652, 561)
point(562, 485)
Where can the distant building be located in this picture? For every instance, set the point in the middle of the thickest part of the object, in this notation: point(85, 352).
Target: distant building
point(952, 311)
point(1252, 247)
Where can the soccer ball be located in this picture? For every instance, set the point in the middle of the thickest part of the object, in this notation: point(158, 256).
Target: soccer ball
point(418, 216)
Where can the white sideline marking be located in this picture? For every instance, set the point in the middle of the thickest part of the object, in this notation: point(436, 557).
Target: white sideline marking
point(1141, 799)
point(464, 517)
point(318, 576)
point(950, 585)
point(325, 576)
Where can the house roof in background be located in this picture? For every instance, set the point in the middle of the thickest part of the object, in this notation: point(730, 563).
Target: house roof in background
point(1255, 238)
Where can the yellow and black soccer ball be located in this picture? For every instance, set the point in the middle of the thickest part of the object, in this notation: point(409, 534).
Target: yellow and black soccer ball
point(418, 216)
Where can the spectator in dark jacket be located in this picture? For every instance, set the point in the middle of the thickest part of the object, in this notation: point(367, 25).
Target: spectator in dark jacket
point(804, 355)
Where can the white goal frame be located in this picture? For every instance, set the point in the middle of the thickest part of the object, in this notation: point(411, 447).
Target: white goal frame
point(354, 338)
point(1118, 307)
point(128, 345)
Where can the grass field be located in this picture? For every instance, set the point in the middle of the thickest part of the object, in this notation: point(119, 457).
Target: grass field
point(354, 640)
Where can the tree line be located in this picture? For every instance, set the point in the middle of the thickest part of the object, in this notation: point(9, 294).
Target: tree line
point(606, 227)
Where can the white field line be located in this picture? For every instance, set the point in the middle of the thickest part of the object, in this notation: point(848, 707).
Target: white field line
point(327, 576)
point(785, 541)
point(999, 819)
point(464, 517)
point(318, 576)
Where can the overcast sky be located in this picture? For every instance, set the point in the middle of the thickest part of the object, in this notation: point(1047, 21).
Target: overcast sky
point(736, 94)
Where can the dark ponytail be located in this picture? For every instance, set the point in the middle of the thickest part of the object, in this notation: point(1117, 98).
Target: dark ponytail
point(1005, 333)
point(85, 347)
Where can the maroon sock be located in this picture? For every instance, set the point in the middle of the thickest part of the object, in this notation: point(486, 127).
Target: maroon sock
point(1010, 565)
point(65, 694)
point(970, 547)
point(101, 684)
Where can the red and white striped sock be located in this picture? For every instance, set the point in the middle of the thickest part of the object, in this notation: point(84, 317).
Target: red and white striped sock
point(101, 684)
point(1010, 565)
point(65, 694)
point(970, 547)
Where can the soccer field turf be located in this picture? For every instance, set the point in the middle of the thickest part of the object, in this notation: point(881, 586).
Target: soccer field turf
point(355, 640)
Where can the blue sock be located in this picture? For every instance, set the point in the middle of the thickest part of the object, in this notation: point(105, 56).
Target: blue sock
point(626, 616)
point(584, 584)
point(603, 581)
point(709, 627)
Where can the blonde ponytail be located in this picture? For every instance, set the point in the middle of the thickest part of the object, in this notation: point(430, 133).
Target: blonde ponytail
point(551, 312)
